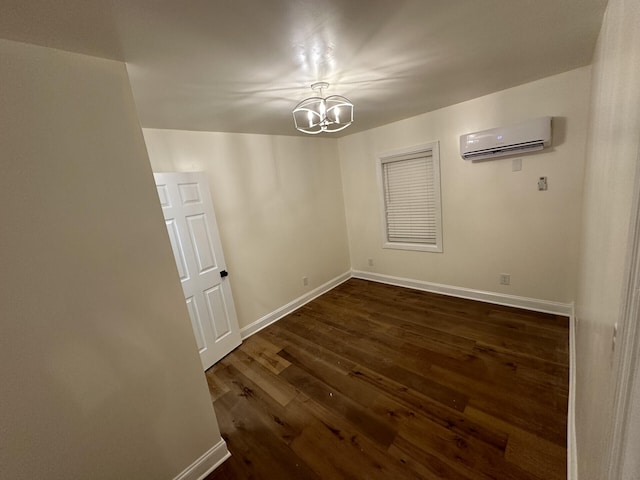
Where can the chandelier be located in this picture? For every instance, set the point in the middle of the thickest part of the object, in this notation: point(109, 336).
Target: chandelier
point(319, 114)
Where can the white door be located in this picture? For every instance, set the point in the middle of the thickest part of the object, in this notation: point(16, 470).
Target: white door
point(193, 232)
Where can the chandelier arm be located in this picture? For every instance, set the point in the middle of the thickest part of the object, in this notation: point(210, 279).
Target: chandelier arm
point(323, 114)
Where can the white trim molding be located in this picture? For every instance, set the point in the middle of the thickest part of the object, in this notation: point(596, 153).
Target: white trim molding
point(526, 303)
point(207, 463)
point(628, 357)
point(431, 183)
point(572, 449)
point(276, 315)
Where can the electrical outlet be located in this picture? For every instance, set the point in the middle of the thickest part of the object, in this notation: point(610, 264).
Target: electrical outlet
point(542, 183)
point(505, 279)
point(305, 281)
point(370, 262)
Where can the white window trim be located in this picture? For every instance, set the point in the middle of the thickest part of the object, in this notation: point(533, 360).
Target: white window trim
point(432, 148)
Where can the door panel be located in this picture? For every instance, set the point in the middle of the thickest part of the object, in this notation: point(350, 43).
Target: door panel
point(193, 234)
point(217, 310)
point(196, 324)
point(163, 194)
point(178, 251)
point(189, 193)
point(202, 245)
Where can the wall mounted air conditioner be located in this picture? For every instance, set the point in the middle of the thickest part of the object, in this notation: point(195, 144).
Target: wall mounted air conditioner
point(513, 140)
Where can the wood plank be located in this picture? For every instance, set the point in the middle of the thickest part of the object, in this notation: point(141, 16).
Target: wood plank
point(388, 363)
point(464, 454)
point(248, 401)
point(527, 450)
point(280, 390)
point(256, 449)
point(428, 466)
point(336, 378)
point(375, 428)
point(216, 387)
point(265, 353)
point(336, 451)
point(542, 419)
point(447, 417)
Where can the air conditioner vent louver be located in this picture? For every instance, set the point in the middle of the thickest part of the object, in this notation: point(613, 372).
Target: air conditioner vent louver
point(497, 142)
point(509, 150)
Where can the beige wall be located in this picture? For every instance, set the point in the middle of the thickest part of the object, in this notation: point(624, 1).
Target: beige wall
point(99, 373)
point(611, 176)
point(494, 220)
point(278, 202)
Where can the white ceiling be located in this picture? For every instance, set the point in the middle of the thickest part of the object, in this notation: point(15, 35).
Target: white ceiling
point(242, 65)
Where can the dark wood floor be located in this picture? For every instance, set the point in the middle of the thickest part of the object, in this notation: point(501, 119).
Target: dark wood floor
point(371, 381)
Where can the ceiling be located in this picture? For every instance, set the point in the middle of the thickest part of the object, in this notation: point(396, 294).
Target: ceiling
point(242, 65)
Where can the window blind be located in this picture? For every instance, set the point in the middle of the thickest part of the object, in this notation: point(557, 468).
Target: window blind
point(410, 199)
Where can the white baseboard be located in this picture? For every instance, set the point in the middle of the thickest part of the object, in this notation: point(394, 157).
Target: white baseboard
point(470, 294)
point(480, 295)
point(572, 450)
point(291, 306)
point(207, 463)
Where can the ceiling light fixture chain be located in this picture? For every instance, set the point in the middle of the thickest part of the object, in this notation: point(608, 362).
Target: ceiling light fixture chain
point(320, 114)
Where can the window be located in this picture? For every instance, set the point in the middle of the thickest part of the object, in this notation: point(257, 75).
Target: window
point(410, 198)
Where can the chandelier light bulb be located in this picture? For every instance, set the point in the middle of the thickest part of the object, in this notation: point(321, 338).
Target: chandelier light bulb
point(320, 114)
